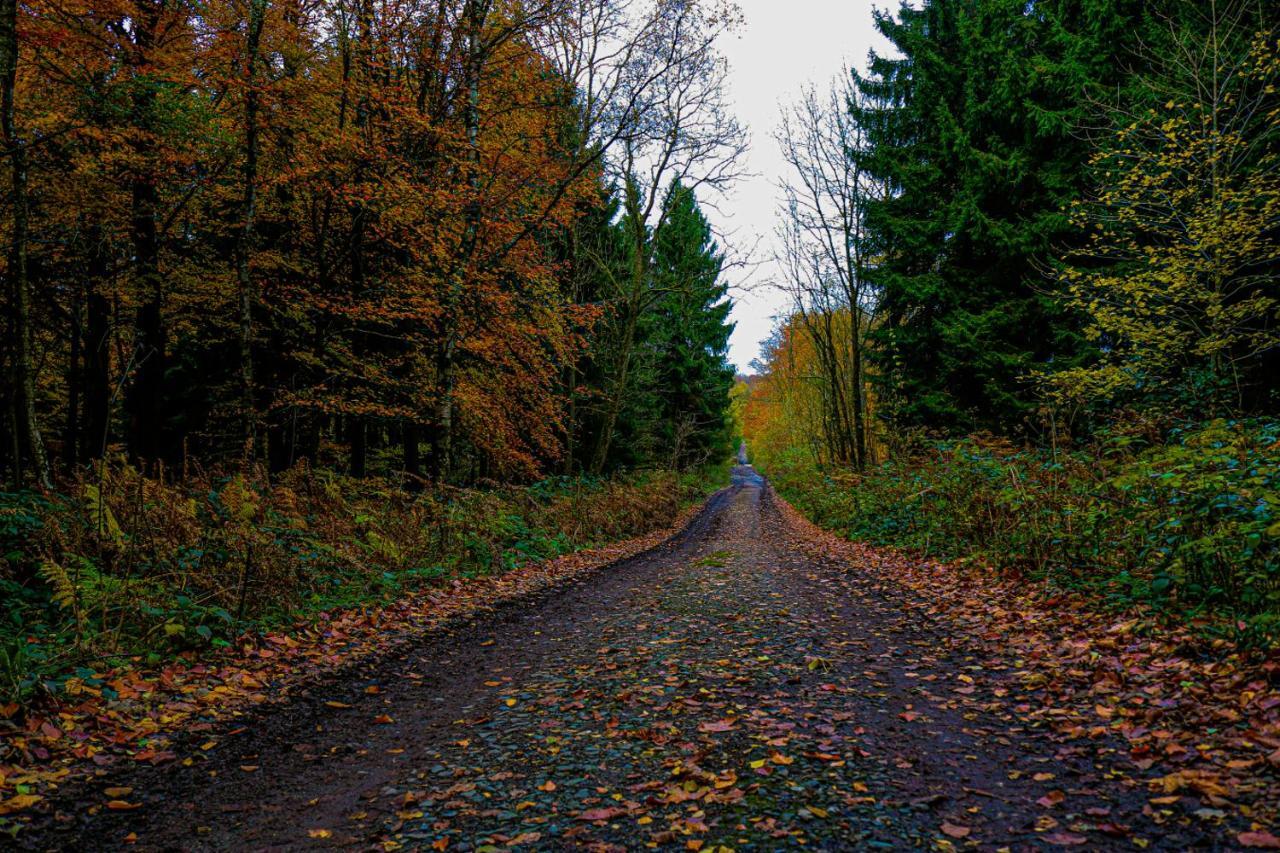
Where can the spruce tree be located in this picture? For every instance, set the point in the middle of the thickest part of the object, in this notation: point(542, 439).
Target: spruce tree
point(976, 128)
point(687, 334)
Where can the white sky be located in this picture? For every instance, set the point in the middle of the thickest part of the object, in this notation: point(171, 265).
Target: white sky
point(784, 45)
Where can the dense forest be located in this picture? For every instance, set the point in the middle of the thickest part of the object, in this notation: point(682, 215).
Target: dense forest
point(309, 304)
point(367, 427)
point(439, 242)
point(1033, 253)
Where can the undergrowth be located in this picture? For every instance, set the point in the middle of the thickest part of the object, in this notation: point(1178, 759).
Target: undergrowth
point(117, 565)
point(1187, 522)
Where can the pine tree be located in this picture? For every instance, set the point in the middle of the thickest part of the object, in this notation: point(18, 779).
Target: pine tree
point(975, 129)
point(688, 334)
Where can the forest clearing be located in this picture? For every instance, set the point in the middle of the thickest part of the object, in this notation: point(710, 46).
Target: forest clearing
point(544, 424)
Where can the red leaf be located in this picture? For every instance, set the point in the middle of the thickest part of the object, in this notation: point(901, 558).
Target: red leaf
point(1066, 839)
point(1052, 799)
point(1259, 839)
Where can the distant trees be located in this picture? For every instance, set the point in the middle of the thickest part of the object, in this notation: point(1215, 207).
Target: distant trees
point(360, 234)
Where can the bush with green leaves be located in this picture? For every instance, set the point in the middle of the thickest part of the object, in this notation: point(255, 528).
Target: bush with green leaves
point(1190, 523)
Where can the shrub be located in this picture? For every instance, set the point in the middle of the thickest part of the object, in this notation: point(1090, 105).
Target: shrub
point(120, 564)
point(1191, 523)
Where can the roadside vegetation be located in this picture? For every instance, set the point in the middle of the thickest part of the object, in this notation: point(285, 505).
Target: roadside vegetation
point(1188, 524)
point(125, 568)
point(1034, 272)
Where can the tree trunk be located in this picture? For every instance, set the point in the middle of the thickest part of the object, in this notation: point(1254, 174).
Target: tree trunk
point(605, 442)
point(859, 398)
point(75, 381)
point(358, 440)
point(97, 365)
point(410, 438)
point(476, 15)
point(148, 434)
point(25, 425)
point(244, 247)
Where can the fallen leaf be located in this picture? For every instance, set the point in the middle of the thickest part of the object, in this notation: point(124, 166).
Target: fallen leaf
point(1066, 839)
point(1259, 839)
point(717, 726)
point(1052, 799)
point(18, 803)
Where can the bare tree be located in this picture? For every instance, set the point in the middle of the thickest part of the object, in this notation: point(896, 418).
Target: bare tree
point(671, 126)
point(823, 253)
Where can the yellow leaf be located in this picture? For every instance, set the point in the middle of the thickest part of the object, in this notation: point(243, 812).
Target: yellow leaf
point(18, 803)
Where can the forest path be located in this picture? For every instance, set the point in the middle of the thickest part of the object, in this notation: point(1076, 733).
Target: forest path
point(726, 690)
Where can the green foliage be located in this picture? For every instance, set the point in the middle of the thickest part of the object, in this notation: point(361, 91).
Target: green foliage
point(972, 124)
point(1191, 524)
point(659, 352)
point(688, 329)
point(189, 567)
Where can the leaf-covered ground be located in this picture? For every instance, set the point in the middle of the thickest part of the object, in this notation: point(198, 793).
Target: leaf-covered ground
point(756, 684)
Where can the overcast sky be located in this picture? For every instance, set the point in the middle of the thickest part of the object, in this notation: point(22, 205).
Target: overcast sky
point(784, 45)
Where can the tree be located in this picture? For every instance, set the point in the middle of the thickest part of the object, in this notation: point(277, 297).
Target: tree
point(1177, 274)
point(824, 254)
point(974, 130)
point(688, 332)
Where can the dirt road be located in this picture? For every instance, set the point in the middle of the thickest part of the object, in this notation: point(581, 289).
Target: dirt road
point(726, 690)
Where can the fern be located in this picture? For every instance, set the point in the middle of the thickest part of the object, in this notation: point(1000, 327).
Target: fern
point(101, 516)
point(61, 585)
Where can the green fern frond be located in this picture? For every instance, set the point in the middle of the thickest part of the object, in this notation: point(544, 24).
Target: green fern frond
point(63, 588)
point(101, 516)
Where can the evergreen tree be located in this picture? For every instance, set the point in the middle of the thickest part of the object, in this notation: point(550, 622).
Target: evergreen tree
point(975, 129)
point(688, 334)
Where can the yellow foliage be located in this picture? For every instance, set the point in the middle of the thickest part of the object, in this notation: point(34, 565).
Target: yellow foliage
point(62, 586)
point(241, 501)
point(1175, 237)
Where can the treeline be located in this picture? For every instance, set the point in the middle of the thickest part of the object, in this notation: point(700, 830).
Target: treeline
point(1034, 255)
point(444, 242)
point(1028, 218)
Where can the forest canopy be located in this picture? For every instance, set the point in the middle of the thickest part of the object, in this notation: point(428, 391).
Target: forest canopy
point(440, 241)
